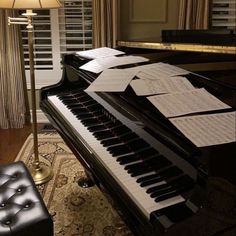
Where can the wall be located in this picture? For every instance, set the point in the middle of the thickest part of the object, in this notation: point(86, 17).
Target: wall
point(144, 19)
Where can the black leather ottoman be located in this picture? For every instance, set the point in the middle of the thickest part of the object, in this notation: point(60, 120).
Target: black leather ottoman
point(22, 210)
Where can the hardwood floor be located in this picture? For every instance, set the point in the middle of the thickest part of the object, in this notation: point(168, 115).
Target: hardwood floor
point(11, 141)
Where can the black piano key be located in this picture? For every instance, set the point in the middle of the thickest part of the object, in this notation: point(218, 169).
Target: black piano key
point(128, 159)
point(79, 110)
point(158, 178)
point(155, 166)
point(97, 128)
point(111, 142)
point(89, 103)
point(164, 188)
point(137, 168)
point(85, 116)
point(147, 178)
point(65, 96)
point(79, 96)
point(78, 93)
point(166, 173)
point(97, 113)
point(152, 190)
point(116, 123)
point(118, 150)
point(103, 118)
point(178, 189)
point(74, 106)
point(175, 190)
point(85, 99)
point(101, 135)
point(173, 212)
point(144, 162)
point(126, 149)
point(112, 124)
point(122, 129)
point(109, 125)
point(121, 140)
point(95, 107)
point(91, 122)
point(183, 180)
point(69, 101)
point(137, 144)
point(97, 125)
point(158, 162)
point(128, 137)
point(157, 188)
point(140, 171)
point(167, 195)
point(154, 162)
point(90, 115)
point(146, 153)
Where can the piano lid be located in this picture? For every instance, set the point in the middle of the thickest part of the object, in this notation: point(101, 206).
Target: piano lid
point(139, 108)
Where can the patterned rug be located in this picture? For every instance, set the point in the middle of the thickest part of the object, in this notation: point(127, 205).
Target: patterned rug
point(75, 210)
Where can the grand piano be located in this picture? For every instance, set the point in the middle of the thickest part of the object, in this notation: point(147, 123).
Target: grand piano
point(161, 182)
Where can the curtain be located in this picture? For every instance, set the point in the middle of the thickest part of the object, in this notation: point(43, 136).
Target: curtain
point(194, 14)
point(105, 23)
point(14, 109)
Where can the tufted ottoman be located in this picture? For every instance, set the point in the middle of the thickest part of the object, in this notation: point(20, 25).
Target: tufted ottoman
point(22, 210)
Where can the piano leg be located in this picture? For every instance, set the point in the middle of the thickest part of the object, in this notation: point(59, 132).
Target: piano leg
point(86, 181)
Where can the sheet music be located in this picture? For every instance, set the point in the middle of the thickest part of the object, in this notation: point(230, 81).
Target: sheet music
point(99, 64)
point(112, 80)
point(161, 69)
point(147, 86)
point(207, 130)
point(181, 103)
point(99, 52)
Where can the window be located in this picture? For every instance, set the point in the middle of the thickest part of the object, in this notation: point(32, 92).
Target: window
point(224, 14)
point(56, 32)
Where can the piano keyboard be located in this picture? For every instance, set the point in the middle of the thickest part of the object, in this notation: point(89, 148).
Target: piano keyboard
point(151, 180)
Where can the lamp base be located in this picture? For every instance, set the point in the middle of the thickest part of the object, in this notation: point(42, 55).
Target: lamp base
point(41, 174)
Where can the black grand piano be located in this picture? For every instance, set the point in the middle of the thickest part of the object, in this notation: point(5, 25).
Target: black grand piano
point(127, 146)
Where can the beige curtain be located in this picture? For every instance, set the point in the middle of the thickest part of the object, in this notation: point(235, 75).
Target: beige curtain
point(105, 23)
point(13, 106)
point(194, 14)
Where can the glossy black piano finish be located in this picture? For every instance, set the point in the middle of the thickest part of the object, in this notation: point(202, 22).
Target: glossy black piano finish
point(108, 116)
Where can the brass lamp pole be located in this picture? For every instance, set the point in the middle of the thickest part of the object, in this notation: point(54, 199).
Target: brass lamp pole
point(40, 171)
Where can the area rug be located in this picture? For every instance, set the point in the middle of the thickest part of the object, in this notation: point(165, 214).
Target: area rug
point(75, 210)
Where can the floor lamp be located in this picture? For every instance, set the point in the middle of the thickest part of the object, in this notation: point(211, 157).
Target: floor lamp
point(40, 171)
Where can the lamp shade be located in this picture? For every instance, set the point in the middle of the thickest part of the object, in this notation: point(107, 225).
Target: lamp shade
point(29, 4)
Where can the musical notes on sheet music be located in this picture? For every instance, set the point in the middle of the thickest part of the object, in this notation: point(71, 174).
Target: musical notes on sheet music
point(146, 85)
point(99, 52)
point(187, 102)
point(207, 130)
point(112, 80)
point(99, 64)
point(160, 69)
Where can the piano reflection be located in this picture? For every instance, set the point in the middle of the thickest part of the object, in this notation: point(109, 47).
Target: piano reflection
point(161, 181)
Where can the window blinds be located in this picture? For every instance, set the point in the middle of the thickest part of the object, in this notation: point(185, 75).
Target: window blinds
point(75, 21)
point(224, 14)
point(42, 41)
point(59, 31)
